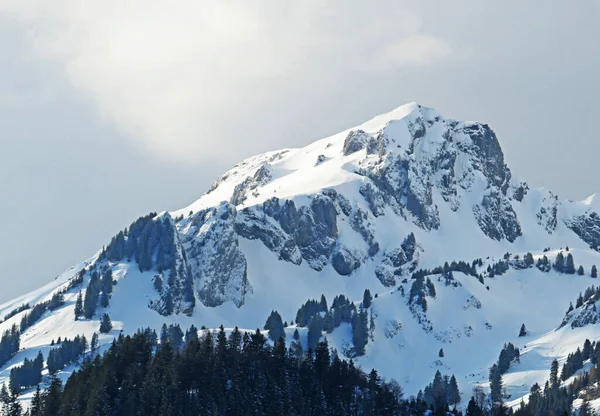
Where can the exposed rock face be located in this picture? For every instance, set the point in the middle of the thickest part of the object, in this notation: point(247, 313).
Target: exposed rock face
point(320, 159)
point(489, 157)
point(261, 177)
point(344, 261)
point(288, 217)
point(360, 222)
point(316, 231)
point(217, 264)
point(587, 227)
point(177, 294)
point(252, 223)
point(440, 154)
point(401, 184)
point(374, 198)
point(588, 316)
point(547, 216)
point(355, 141)
point(398, 262)
point(520, 191)
point(582, 316)
point(497, 218)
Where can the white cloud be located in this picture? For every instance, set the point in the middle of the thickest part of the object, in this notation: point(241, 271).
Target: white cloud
point(170, 74)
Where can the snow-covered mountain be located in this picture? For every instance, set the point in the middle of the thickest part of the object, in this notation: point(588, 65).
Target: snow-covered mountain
point(365, 208)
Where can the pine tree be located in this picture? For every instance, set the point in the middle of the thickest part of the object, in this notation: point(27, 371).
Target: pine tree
point(570, 266)
point(528, 260)
point(35, 408)
point(360, 334)
point(584, 409)
point(105, 324)
point(314, 333)
point(176, 335)
point(559, 263)
point(438, 391)
point(587, 350)
point(90, 300)
point(554, 383)
point(453, 392)
point(79, 306)
point(94, 342)
point(164, 334)
point(495, 384)
point(367, 299)
point(275, 326)
point(594, 273)
point(523, 331)
point(13, 406)
point(192, 333)
point(52, 397)
point(579, 302)
point(296, 346)
point(580, 271)
point(441, 353)
point(323, 304)
point(473, 409)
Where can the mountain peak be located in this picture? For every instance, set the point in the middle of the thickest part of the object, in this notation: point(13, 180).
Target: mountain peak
point(380, 206)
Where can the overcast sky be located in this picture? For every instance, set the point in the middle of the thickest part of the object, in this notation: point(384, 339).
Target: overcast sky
point(112, 109)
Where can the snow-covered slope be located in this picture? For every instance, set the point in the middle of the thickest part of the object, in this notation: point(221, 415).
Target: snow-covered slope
point(362, 209)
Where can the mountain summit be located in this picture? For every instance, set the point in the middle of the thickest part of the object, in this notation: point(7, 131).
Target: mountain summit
point(420, 210)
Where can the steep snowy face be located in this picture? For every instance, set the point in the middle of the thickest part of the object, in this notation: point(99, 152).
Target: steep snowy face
point(584, 220)
point(410, 159)
point(331, 202)
point(356, 197)
point(402, 158)
point(408, 205)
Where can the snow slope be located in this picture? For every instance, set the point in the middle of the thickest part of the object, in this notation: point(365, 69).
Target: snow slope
point(335, 218)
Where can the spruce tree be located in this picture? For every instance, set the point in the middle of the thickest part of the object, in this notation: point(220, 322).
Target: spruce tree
point(192, 333)
point(473, 409)
point(94, 342)
point(441, 353)
point(296, 346)
point(522, 331)
point(274, 325)
point(323, 304)
point(559, 263)
point(554, 383)
point(360, 331)
point(105, 324)
point(580, 271)
point(4, 394)
point(594, 273)
point(367, 299)
point(13, 406)
point(453, 392)
point(314, 333)
point(579, 302)
point(528, 259)
point(78, 306)
point(90, 300)
point(570, 265)
point(495, 384)
point(52, 397)
point(587, 350)
point(35, 408)
point(584, 409)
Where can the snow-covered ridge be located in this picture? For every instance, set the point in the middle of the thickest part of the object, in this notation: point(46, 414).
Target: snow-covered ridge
point(365, 208)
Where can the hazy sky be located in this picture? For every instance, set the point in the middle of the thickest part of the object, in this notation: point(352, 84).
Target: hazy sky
point(112, 109)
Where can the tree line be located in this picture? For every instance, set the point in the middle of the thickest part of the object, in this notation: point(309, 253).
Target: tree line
point(239, 374)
